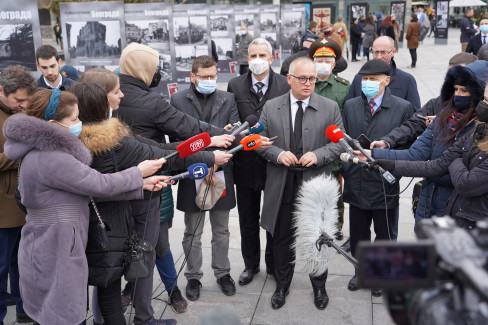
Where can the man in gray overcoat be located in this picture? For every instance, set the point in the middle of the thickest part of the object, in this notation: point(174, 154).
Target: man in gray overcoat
point(301, 151)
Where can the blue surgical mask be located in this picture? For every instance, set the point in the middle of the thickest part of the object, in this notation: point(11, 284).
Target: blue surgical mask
point(75, 129)
point(243, 32)
point(484, 28)
point(370, 88)
point(462, 103)
point(206, 87)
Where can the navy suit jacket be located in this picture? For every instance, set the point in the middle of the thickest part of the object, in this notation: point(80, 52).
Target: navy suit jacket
point(474, 44)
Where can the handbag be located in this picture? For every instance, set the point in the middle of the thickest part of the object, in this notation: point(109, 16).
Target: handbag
point(138, 260)
point(99, 232)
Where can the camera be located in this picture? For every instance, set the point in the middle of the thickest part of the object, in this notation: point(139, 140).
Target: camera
point(440, 279)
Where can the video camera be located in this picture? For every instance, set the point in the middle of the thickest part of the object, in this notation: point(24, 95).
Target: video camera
point(440, 279)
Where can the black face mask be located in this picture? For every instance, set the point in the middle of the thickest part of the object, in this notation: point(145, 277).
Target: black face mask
point(482, 111)
point(327, 33)
point(156, 79)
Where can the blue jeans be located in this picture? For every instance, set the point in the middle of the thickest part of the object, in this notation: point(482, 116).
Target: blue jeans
point(9, 248)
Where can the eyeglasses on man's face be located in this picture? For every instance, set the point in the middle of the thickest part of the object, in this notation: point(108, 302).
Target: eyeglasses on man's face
point(207, 77)
point(303, 80)
point(383, 53)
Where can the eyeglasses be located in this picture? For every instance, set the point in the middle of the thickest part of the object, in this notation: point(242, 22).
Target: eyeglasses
point(303, 80)
point(383, 53)
point(209, 77)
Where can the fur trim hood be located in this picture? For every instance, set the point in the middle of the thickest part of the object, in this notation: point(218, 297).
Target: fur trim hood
point(468, 77)
point(103, 136)
point(27, 133)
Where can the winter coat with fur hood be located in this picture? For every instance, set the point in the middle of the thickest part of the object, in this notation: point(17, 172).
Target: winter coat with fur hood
point(55, 184)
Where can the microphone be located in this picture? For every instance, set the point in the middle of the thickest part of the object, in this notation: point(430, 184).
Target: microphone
point(345, 157)
point(248, 143)
point(191, 146)
point(250, 120)
point(256, 129)
point(195, 171)
point(335, 135)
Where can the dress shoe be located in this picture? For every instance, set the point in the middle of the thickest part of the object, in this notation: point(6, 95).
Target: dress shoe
point(227, 285)
point(23, 318)
point(247, 275)
point(353, 284)
point(376, 292)
point(279, 297)
point(338, 235)
point(10, 300)
point(193, 289)
point(320, 299)
point(347, 245)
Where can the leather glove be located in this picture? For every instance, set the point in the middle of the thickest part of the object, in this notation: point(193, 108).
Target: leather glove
point(388, 165)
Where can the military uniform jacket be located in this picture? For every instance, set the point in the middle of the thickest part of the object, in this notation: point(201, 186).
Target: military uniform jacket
point(335, 88)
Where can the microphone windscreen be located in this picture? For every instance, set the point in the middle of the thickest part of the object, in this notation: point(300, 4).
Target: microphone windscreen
point(334, 133)
point(194, 144)
point(257, 128)
point(198, 170)
point(252, 119)
point(251, 142)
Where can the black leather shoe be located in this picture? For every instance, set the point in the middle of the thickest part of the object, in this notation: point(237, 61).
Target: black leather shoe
point(193, 289)
point(338, 235)
point(376, 292)
point(23, 318)
point(320, 299)
point(353, 284)
point(347, 245)
point(247, 275)
point(227, 285)
point(10, 300)
point(279, 298)
point(269, 271)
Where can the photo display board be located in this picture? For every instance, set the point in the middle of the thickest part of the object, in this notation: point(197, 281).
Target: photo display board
point(93, 33)
point(222, 26)
point(292, 26)
point(398, 8)
point(151, 24)
point(358, 9)
point(20, 33)
point(442, 19)
point(270, 29)
point(323, 14)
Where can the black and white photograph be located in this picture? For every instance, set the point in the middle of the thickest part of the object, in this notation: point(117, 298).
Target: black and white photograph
point(166, 69)
point(181, 27)
point(271, 38)
point(93, 39)
point(218, 25)
point(247, 19)
point(20, 33)
point(153, 33)
point(198, 30)
point(185, 54)
point(442, 14)
point(398, 8)
point(268, 21)
point(359, 9)
point(17, 46)
point(292, 19)
point(287, 39)
point(224, 47)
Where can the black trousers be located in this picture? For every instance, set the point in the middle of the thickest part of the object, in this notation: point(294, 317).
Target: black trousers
point(360, 224)
point(110, 303)
point(248, 206)
point(354, 45)
point(413, 55)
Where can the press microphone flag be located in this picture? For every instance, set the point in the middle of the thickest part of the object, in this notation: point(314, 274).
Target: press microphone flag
point(248, 143)
point(250, 120)
point(315, 213)
point(191, 146)
point(255, 129)
point(195, 171)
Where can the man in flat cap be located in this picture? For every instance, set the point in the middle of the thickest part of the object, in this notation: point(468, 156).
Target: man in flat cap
point(374, 113)
point(325, 53)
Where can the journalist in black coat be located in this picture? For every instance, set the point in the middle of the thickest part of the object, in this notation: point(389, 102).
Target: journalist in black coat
point(475, 43)
point(249, 167)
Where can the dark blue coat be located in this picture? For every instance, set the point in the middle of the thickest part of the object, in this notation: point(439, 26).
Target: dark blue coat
point(474, 44)
point(65, 83)
point(401, 85)
point(436, 190)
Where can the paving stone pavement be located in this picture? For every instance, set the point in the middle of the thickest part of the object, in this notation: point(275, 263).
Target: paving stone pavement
point(252, 302)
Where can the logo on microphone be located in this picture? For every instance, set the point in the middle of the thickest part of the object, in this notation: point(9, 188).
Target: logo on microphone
point(197, 145)
point(198, 172)
point(251, 144)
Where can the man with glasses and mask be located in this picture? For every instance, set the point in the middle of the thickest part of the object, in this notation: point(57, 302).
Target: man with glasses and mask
point(204, 102)
point(301, 152)
point(374, 113)
point(252, 90)
point(401, 84)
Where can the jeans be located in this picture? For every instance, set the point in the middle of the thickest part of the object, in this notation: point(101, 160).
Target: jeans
point(219, 221)
point(9, 248)
point(164, 259)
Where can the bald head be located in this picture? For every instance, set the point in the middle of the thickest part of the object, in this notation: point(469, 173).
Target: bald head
point(384, 48)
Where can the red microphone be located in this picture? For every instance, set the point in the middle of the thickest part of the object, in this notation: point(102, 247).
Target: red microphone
point(335, 135)
point(248, 143)
point(191, 146)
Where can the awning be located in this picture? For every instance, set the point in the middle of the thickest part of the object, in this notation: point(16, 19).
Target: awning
point(466, 3)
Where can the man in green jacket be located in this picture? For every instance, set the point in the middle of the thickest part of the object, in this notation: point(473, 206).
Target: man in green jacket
point(325, 52)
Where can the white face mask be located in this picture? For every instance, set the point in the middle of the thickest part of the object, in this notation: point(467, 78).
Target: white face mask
point(323, 69)
point(258, 66)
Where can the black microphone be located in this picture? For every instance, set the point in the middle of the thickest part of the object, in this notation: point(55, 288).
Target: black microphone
point(250, 120)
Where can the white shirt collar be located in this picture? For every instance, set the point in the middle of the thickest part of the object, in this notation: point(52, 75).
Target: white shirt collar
point(60, 82)
point(294, 107)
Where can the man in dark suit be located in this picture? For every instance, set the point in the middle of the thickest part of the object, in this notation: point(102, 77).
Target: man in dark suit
point(204, 102)
point(299, 119)
point(252, 90)
point(374, 113)
point(467, 28)
point(480, 39)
